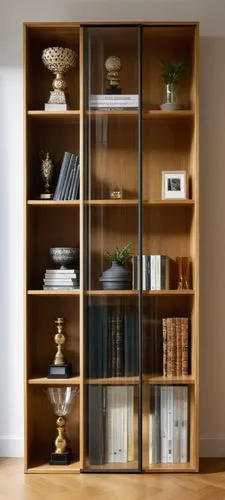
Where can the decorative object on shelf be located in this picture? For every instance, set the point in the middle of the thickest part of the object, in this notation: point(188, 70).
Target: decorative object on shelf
point(113, 67)
point(117, 277)
point(174, 185)
point(59, 60)
point(171, 73)
point(116, 193)
point(47, 173)
point(64, 256)
point(183, 268)
point(59, 369)
point(62, 399)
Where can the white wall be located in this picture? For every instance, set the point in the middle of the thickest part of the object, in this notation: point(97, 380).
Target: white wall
point(211, 16)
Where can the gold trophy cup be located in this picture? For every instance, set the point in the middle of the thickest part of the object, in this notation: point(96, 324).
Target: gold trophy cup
point(59, 369)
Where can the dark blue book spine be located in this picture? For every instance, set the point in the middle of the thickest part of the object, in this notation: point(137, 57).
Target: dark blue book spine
point(96, 424)
point(76, 188)
point(72, 179)
point(63, 169)
point(66, 179)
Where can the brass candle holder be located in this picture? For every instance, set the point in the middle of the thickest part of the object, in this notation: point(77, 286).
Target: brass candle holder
point(59, 369)
point(183, 267)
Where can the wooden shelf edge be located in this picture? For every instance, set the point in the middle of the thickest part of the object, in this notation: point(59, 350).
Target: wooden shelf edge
point(53, 292)
point(188, 467)
point(52, 203)
point(45, 468)
point(135, 292)
point(160, 380)
point(109, 203)
point(53, 381)
point(41, 113)
point(113, 381)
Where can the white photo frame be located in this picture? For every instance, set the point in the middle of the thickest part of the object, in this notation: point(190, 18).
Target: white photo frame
point(174, 185)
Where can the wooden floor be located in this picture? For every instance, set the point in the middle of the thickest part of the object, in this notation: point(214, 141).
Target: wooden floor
point(209, 484)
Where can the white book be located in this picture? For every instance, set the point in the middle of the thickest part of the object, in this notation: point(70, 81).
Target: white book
point(116, 97)
point(184, 426)
point(55, 107)
point(170, 424)
point(130, 423)
point(151, 426)
point(61, 276)
point(157, 272)
point(176, 427)
point(59, 282)
point(153, 272)
point(144, 272)
point(60, 271)
point(156, 436)
point(116, 418)
point(163, 424)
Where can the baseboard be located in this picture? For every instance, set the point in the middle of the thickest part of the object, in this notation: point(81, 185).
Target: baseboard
point(212, 446)
point(11, 446)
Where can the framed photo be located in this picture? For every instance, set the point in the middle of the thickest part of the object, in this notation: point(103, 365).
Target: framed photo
point(174, 185)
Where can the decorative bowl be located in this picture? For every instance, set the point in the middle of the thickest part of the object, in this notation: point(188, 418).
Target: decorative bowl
point(59, 59)
point(64, 256)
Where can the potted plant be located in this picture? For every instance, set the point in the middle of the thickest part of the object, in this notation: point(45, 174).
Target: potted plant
point(171, 73)
point(117, 277)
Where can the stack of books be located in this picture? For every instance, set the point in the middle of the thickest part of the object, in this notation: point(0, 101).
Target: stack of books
point(110, 424)
point(68, 184)
point(155, 272)
point(61, 279)
point(112, 343)
point(168, 424)
point(175, 346)
point(118, 101)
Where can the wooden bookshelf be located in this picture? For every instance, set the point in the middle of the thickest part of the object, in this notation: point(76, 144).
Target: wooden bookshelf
point(117, 148)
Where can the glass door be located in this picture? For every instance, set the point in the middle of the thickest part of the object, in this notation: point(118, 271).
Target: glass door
point(112, 214)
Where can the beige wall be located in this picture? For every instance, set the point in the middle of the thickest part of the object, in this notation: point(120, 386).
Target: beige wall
point(211, 15)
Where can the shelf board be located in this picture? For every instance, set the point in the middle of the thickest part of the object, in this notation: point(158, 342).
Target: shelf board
point(160, 380)
point(51, 203)
point(113, 113)
point(135, 292)
point(114, 381)
point(51, 381)
point(188, 467)
point(174, 115)
point(170, 203)
point(59, 115)
point(53, 292)
point(131, 465)
point(42, 467)
point(112, 203)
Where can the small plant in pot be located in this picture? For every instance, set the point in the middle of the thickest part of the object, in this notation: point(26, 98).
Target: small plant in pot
point(171, 73)
point(117, 277)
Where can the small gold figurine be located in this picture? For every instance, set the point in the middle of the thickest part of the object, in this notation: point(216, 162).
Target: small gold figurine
point(47, 173)
point(60, 441)
point(59, 340)
point(113, 66)
point(183, 267)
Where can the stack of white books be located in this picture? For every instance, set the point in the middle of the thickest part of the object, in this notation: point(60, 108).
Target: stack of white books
point(61, 279)
point(113, 101)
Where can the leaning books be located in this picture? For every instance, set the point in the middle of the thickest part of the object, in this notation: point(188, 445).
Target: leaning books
point(68, 184)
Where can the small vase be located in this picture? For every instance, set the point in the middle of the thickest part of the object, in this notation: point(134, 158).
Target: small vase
point(170, 103)
point(117, 277)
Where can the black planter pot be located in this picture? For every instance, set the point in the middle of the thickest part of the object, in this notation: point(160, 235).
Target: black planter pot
point(117, 277)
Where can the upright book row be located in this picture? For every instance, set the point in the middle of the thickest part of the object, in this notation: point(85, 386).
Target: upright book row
point(68, 184)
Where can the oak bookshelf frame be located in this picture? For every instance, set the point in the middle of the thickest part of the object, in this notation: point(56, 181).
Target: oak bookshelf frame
point(41, 304)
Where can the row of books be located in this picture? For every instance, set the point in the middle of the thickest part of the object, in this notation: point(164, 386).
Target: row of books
point(155, 272)
point(110, 424)
point(175, 346)
point(61, 279)
point(68, 184)
point(113, 101)
point(112, 343)
point(168, 424)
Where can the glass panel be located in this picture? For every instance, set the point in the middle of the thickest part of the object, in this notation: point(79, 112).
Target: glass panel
point(111, 214)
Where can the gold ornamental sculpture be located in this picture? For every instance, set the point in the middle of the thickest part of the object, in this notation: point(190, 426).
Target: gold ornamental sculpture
point(47, 173)
point(59, 60)
point(113, 67)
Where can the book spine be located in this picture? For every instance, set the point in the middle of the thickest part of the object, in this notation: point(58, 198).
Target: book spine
point(178, 347)
point(184, 346)
point(68, 192)
point(63, 169)
point(176, 429)
point(153, 272)
point(67, 178)
point(158, 272)
point(163, 423)
point(151, 426)
point(113, 343)
point(76, 186)
point(184, 426)
point(164, 329)
point(96, 442)
point(148, 272)
point(156, 445)
point(134, 272)
point(170, 425)
point(144, 273)
point(130, 423)
point(119, 346)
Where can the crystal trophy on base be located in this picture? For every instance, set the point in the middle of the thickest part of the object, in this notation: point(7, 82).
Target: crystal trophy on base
point(59, 369)
point(47, 173)
point(113, 66)
point(62, 399)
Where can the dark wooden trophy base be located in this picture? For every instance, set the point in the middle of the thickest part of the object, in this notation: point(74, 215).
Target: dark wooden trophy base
point(60, 458)
point(113, 91)
point(60, 371)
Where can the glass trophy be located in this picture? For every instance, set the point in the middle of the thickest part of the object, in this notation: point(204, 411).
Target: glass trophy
point(59, 369)
point(62, 399)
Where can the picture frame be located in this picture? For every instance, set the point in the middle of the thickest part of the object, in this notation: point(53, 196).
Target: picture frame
point(174, 185)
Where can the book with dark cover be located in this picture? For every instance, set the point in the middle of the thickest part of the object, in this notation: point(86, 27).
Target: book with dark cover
point(113, 345)
point(62, 173)
point(97, 342)
point(119, 346)
point(67, 179)
point(96, 424)
point(76, 187)
point(72, 183)
point(130, 345)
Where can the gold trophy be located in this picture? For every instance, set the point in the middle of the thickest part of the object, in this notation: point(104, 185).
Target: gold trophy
point(59, 369)
point(183, 267)
point(61, 399)
point(47, 173)
point(113, 66)
point(59, 60)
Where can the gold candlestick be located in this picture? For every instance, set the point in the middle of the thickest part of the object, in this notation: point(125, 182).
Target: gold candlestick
point(183, 266)
point(59, 340)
